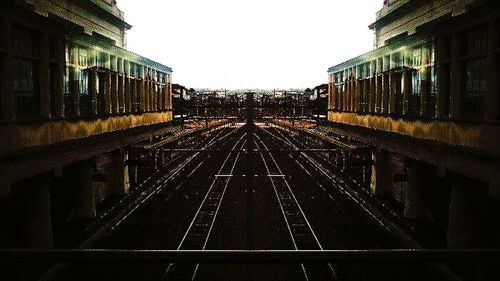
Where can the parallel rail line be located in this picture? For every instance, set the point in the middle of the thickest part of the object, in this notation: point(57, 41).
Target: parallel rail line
point(198, 233)
point(300, 230)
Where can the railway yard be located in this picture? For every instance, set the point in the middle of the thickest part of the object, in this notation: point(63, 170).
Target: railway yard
point(249, 189)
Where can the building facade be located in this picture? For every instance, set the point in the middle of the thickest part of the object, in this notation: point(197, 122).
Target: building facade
point(72, 98)
point(427, 99)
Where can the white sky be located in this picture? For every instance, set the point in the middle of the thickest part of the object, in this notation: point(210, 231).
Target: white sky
point(250, 44)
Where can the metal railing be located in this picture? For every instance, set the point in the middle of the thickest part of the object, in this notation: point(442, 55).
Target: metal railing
point(248, 256)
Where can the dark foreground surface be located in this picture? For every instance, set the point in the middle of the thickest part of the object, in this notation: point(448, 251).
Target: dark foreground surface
point(264, 200)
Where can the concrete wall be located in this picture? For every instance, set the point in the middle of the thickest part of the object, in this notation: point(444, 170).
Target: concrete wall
point(23, 136)
point(477, 136)
point(410, 20)
point(90, 21)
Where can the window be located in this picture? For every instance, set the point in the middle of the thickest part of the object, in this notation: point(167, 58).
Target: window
point(101, 78)
point(158, 93)
point(380, 67)
point(399, 60)
point(27, 102)
point(85, 99)
point(475, 89)
point(100, 59)
point(83, 59)
point(398, 95)
point(475, 42)
point(431, 99)
point(416, 60)
point(24, 76)
point(69, 102)
point(474, 46)
point(22, 42)
point(416, 82)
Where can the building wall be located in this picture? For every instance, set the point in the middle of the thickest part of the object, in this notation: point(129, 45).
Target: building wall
point(437, 85)
point(59, 85)
point(404, 16)
point(73, 101)
point(107, 21)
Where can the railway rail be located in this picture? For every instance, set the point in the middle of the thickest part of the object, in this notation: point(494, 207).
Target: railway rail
point(301, 232)
point(209, 212)
point(200, 228)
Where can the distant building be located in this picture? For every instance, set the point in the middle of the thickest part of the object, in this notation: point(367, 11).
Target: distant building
point(428, 95)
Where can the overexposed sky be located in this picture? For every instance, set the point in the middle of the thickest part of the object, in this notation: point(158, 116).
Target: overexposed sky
point(250, 44)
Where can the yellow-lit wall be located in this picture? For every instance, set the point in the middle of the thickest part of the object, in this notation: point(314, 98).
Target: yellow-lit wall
point(18, 136)
point(482, 136)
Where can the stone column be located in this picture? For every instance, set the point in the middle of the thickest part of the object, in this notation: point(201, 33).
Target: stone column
point(462, 215)
point(121, 94)
point(353, 94)
point(74, 82)
point(343, 97)
point(392, 93)
point(165, 97)
point(147, 92)
point(350, 103)
point(386, 88)
point(86, 202)
point(146, 95)
point(44, 76)
point(115, 106)
point(152, 90)
point(34, 205)
point(169, 91)
point(414, 206)
point(136, 95)
point(152, 96)
point(347, 95)
point(126, 94)
point(107, 93)
point(381, 178)
point(358, 94)
point(142, 95)
point(367, 96)
point(119, 176)
point(441, 70)
point(93, 91)
point(378, 94)
point(406, 91)
point(333, 96)
point(426, 80)
point(372, 94)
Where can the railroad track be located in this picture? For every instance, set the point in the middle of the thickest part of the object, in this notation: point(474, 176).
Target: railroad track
point(300, 230)
point(179, 171)
point(386, 219)
point(341, 186)
point(200, 228)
